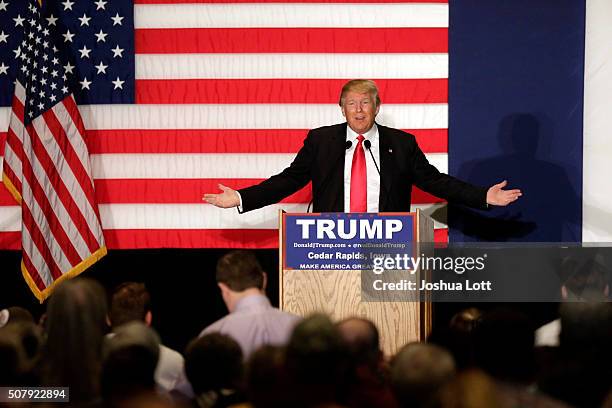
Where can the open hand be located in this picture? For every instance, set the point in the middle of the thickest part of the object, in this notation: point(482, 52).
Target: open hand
point(228, 198)
point(496, 195)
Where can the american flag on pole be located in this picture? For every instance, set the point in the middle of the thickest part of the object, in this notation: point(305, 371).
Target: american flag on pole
point(178, 96)
point(46, 162)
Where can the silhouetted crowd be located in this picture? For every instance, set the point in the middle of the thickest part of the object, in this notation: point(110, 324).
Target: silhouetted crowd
point(104, 349)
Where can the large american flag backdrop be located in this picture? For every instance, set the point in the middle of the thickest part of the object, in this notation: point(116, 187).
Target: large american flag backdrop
point(178, 96)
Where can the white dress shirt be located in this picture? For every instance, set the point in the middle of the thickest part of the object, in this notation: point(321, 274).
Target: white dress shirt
point(372, 176)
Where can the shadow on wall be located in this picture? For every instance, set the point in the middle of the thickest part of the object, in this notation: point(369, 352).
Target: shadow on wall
point(550, 208)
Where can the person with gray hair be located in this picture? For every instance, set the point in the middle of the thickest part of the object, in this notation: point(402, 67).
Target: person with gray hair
point(418, 371)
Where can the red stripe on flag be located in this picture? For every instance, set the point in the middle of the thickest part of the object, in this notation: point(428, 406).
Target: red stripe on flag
point(184, 91)
point(63, 193)
point(281, 1)
point(190, 191)
point(70, 157)
point(421, 197)
point(12, 138)
point(12, 177)
point(3, 138)
point(226, 140)
point(441, 235)
point(132, 239)
point(208, 238)
point(80, 172)
point(431, 140)
point(180, 191)
point(39, 242)
point(290, 40)
point(6, 198)
point(33, 272)
point(10, 240)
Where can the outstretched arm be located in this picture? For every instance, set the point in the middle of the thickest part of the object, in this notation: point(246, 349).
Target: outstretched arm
point(496, 195)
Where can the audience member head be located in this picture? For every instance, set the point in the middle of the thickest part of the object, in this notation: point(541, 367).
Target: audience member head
point(129, 361)
point(15, 314)
point(362, 338)
point(586, 279)
point(317, 361)
point(418, 371)
point(266, 378)
point(457, 337)
point(469, 389)
point(20, 344)
point(75, 326)
point(239, 274)
point(466, 320)
point(214, 362)
point(504, 346)
point(130, 301)
point(586, 326)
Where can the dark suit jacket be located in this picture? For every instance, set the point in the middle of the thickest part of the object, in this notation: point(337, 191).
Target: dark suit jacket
point(321, 160)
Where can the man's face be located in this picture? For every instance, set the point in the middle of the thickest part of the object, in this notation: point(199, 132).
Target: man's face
point(360, 110)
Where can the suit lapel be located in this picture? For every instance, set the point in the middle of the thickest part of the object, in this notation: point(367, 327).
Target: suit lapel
point(337, 145)
point(387, 170)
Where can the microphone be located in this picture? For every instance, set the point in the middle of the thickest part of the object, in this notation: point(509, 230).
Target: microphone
point(368, 145)
point(347, 146)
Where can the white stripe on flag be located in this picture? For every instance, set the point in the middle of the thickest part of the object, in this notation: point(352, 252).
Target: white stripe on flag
point(202, 166)
point(253, 116)
point(310, 66)
point(10, 218)
point(72, 184)
point(5, 117)
point(30, 248)
point(40, 221)
point(323, 15)
point(190, 216)
point(11, 161)
point(176, 216)
point(49, 188)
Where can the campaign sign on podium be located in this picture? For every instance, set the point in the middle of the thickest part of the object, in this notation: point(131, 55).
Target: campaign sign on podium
point(323, 258)
point(340, 241)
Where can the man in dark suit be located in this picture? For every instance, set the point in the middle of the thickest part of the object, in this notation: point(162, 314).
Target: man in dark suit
point(361, 166)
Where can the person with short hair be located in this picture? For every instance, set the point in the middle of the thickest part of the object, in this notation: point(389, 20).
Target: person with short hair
point(318, 364)
point(370, 375)
point(130, 359)
point(346, 178)
point(214, 366)
point(131, 302)
point(252, 321)
point(418, 371)
point(15, 314)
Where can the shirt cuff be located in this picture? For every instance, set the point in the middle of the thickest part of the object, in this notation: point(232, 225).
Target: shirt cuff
point(239, 208)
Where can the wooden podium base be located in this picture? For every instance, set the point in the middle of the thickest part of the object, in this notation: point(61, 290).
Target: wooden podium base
point(338, 294)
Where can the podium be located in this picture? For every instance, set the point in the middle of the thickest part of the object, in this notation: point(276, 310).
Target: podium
point(310, 281)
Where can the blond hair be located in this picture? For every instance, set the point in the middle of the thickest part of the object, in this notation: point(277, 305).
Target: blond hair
point(360, 86)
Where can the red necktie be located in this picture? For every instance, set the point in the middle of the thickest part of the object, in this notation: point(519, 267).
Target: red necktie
point(359, 185)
